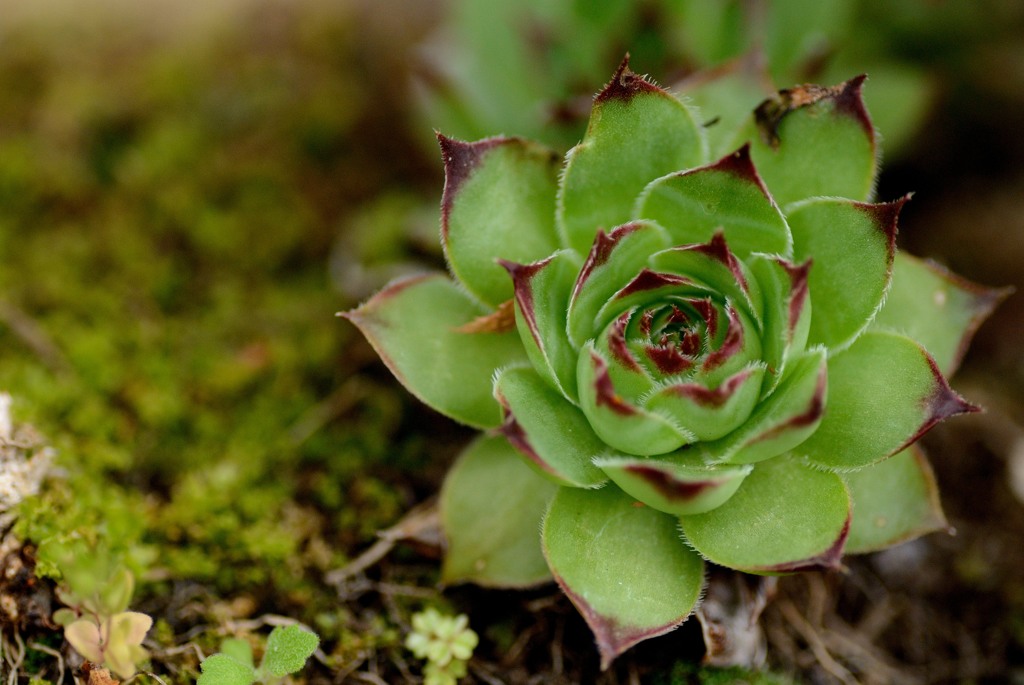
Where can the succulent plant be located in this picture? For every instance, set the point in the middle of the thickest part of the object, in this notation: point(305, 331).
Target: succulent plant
point(679, 360)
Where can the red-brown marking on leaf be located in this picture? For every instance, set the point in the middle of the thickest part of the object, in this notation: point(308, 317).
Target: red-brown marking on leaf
point(828, 560)
point(798, 276)
point(885, 217)
point(941, 403)
point(648, 280)
point(732, 344)
point(670, 488)
point(707, 397)
point(605, 395)
point(522, 275)
point(612, 637)
point(718, 249)
point(617, 344)
point(708, 312)
point(516, 436)
point(625, 85)
point(600, 251)
point(846, 97)
point(501, 320)
point(460, 159)
point(815, 410)
point(740, 165)
point(669, 360)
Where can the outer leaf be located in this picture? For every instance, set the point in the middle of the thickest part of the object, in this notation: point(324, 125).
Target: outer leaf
point(852, 245)
point(491, 507)
point(622, 565)
point(614, 259)
point(498, 202)
point(549, 431)
point(238, 649)
point(414, 326)
point(672, 486)
point(937, 308)
point(893, 501)
point(884, 393)
point(220, 669)
point(542, 292)
point(288, 647)
point(812, 141)
point(637, 132)
point(785, 517)
point(727, 195)
point(621, 424)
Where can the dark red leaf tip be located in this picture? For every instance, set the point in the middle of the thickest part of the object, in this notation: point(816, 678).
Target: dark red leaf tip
point(460, 159)
point(885, 216)
point(672, 489)
point(604, 390)
point(625, 85)
point(846, 98)
point(828, 560)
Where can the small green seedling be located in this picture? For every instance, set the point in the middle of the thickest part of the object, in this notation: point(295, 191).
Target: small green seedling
point(446, 642)
point(692, 340)
point(287, 650)
point(97, 590)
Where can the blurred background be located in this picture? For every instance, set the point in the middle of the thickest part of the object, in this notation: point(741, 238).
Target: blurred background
point(189, 192)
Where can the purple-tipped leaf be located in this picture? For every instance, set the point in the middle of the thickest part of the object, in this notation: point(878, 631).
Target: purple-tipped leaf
point(614, 259)
point(498, 203)
point(783, 419)
point(619, 422)
point(542, 292)
point(787, 315)
point(885, 392)
point(727, 195)
point(710, 413)
point(416, 326)
point(547, 429)
point(811, 141)
point(637, 132)
point(852, 245)
point(622, 564)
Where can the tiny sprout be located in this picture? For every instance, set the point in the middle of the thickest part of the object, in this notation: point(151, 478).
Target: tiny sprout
point(446, 642)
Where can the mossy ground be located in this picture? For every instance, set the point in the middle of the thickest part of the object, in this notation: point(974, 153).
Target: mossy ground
point(186, 200)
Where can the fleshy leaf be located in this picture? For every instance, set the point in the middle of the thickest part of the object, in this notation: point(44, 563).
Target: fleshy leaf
point(884, 393)
point(413, 324)
point(727, 195)
point(637, 132)
point(893, 501)
point(937, 308)
point(810, 141)
point(707, 413)
point(785, 517)
point(782, 420)
point(618, 422)
point(498, 203)
point(614, 259)
point(84, 636)
point(542, 291)
point(549, 431)
point(673, 486)
point(852, 245)
point(491, 509)
point(714, 265)
point(787, 315)
point(622, 564)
